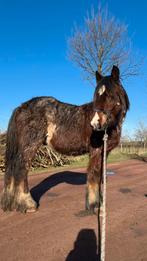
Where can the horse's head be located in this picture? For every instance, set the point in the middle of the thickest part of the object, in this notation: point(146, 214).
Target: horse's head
point(110, 102)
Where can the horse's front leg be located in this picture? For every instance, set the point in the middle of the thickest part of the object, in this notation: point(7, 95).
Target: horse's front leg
point(94, 179)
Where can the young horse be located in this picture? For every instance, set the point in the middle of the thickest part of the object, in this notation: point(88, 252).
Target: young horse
point(68, 129)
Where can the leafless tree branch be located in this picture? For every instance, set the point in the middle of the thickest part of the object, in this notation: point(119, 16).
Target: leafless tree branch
point(100, 43)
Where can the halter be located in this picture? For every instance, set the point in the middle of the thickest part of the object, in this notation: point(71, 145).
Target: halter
point(104, 111)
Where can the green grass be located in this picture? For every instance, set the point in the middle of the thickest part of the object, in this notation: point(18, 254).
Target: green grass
point(144, 154)
point(76, 162)
point(117, 156)
point(82, 162)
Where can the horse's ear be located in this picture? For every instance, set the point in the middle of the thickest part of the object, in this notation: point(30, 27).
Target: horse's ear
point(115, 73)
point(98, 76)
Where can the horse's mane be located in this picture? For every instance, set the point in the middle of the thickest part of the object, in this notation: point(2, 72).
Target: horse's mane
point(126, 98)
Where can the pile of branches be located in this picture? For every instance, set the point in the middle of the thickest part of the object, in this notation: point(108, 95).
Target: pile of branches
point(44, 157)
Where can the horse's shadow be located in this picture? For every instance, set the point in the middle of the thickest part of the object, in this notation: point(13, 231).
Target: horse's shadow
point(74, 178)
point(85, 247)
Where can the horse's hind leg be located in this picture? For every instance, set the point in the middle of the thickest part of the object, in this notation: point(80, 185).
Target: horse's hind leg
point(7, 197)
point(23, 200)
point(16, 193)
point(26, 132)
point(94, 180)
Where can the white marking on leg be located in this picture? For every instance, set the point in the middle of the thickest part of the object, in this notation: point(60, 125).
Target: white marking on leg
point(93, 190)
point(11, 186)
point(25, 198)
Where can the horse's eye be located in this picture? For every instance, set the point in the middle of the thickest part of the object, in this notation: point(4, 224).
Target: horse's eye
point(102, 90)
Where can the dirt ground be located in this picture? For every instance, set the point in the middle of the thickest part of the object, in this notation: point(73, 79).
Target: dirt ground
point(56, 232)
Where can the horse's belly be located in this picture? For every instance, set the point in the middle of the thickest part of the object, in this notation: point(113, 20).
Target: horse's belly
point(69, 143)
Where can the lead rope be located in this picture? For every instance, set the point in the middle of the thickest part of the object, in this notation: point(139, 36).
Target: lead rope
point(103, 227)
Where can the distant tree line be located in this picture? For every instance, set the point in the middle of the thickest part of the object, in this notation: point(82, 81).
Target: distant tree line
point(137, 142)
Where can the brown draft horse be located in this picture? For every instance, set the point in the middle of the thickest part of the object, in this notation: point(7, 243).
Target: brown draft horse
point(69, 129)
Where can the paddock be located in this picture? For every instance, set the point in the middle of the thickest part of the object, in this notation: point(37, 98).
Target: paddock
point(58, 233)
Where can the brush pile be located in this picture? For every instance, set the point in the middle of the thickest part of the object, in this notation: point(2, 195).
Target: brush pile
point(46, 157)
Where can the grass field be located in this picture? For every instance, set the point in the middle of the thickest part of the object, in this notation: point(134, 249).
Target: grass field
point(82, 161)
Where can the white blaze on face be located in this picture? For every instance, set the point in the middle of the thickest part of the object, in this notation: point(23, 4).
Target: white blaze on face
point(95, 121)
point(102, 90)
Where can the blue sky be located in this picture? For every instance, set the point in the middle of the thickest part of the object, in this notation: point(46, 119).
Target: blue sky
point(33, 50)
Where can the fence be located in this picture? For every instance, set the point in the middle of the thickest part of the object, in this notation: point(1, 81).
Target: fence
point(133, 148)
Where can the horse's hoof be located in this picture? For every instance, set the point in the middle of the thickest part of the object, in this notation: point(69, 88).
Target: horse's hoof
point(85, 213)
point(24, 203)
point(31, 210)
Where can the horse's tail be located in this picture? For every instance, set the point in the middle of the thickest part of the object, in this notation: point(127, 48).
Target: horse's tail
point(11, 145)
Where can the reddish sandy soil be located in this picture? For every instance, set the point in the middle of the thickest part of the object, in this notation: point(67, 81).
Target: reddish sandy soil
point(57, 233)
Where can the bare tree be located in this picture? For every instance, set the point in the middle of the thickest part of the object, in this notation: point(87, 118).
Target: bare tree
point(141, 134)
point(100, 43)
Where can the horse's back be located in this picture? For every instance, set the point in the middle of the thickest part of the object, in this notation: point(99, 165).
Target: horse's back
point(45, 103)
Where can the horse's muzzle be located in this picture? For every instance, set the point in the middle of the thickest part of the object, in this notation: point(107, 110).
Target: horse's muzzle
point(99, 121)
